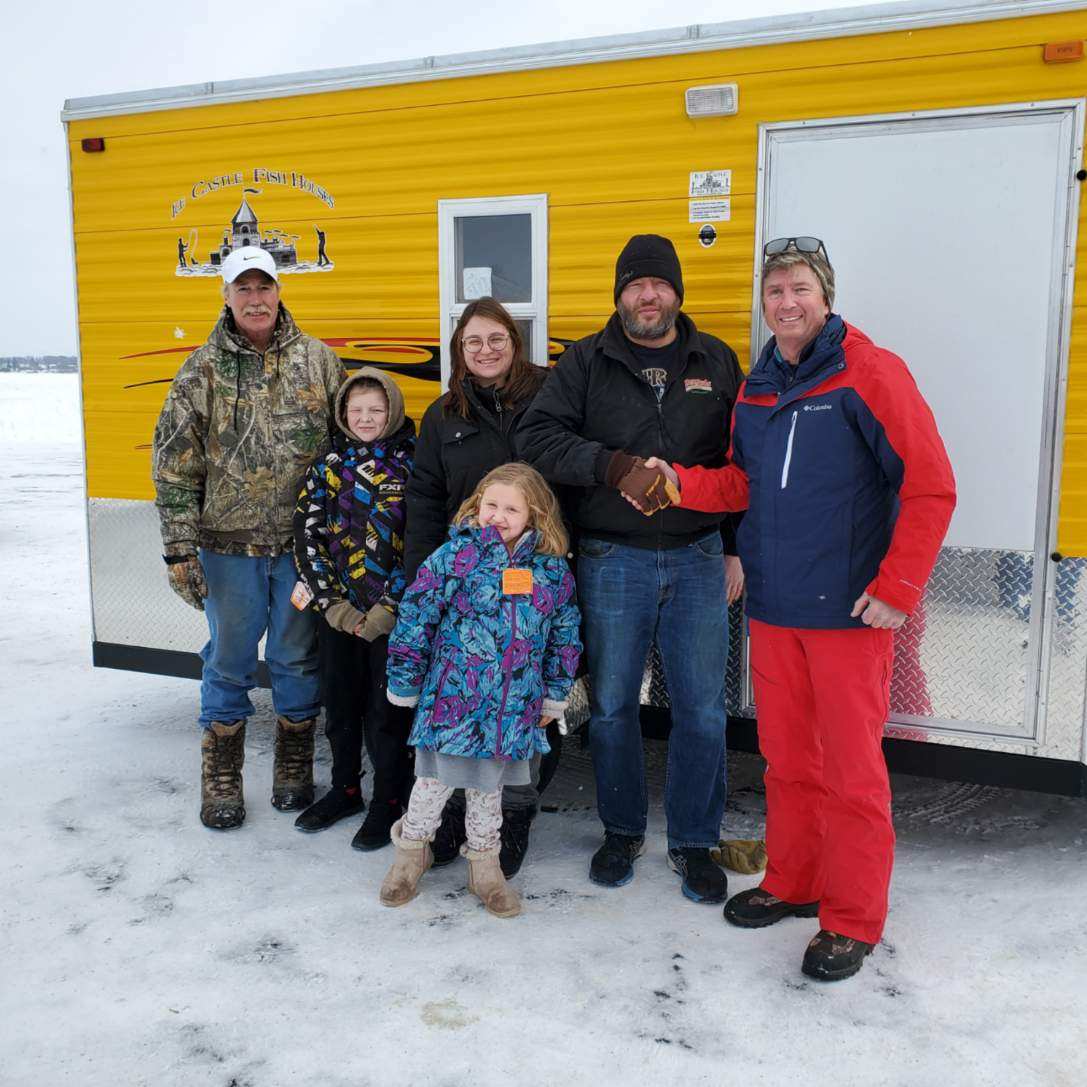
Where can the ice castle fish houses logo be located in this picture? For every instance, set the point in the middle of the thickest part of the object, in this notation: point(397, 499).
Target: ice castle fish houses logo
point(197, 256)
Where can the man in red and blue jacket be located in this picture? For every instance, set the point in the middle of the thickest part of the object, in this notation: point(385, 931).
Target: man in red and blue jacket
point(848, 489)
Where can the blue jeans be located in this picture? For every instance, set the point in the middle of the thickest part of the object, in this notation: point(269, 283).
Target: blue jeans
point(628, 597)
point(246, 597)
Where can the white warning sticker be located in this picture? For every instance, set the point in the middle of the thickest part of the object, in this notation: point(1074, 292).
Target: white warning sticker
point(709, 211)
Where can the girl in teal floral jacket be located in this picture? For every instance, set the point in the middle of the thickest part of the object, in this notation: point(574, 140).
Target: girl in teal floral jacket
point(486, 647)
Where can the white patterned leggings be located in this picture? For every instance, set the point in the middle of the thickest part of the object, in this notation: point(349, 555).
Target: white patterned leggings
point(482, 817)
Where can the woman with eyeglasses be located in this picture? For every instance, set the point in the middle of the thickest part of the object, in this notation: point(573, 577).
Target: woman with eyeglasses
point(466, 432)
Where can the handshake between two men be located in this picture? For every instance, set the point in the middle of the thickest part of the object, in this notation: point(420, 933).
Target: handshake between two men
point(648, 486)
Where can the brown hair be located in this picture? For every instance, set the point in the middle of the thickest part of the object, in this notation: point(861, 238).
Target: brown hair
point(520, 381)
point(819, 265)
point(368, 385)
point(543, 507)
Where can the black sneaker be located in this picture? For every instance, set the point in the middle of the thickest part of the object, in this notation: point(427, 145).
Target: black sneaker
point(450, 835)
point(335, 805)
point(374, 832)
point(831, 957)
point(613, 863)
point(516, 823)
point(703, 881)
point(757, 908)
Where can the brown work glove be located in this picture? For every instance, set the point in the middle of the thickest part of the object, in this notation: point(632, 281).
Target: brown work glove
point(649, 487)
point(344, 617)
point(379, 621)
point(746, 856)
point(187, 580)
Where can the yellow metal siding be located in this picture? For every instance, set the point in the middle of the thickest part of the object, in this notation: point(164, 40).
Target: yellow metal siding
point(609, 143)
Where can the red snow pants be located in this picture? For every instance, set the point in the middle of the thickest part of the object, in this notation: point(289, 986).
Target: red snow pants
point(821, 699)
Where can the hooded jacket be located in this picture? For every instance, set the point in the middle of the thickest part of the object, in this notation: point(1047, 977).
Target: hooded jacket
point(596, 402)
point(480, 664)
point(846, 480)
point(349, 520)
point(452, 456)
point(235, 436)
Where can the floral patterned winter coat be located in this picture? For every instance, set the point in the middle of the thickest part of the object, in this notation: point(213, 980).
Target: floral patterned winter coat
point(483, 665)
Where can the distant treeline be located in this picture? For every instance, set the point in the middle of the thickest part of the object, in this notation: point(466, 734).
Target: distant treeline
point(26, 364)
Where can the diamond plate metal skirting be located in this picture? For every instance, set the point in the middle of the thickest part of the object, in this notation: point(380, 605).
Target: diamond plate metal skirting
point(968, 660)
point(994, 635)
point(131, 600)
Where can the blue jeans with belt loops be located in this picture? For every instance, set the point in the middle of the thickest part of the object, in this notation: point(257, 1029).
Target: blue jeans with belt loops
point(247, 596)
point(630, 596)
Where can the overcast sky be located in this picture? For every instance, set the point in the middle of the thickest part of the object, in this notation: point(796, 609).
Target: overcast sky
point(57, 50)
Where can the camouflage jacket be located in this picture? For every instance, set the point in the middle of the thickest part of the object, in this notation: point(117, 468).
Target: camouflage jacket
point(235, 437)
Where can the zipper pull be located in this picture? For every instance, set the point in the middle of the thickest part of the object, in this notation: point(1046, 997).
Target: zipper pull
point(788, 452)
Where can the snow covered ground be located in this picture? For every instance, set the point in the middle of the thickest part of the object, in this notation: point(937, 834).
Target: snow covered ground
point(139, 948)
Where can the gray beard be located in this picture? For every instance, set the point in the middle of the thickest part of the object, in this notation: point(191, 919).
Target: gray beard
point(639, 331)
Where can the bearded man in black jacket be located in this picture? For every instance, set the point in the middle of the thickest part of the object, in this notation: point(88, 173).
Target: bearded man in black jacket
point(649, 384)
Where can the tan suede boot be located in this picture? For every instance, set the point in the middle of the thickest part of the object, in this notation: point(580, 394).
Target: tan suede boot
point(292, 774)
point(486, 882)
point(222, 753)
point(413, 858)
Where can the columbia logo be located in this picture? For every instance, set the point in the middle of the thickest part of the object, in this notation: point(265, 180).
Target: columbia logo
point(817, 407)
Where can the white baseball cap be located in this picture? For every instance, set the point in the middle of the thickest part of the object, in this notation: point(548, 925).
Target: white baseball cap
point(247, 258)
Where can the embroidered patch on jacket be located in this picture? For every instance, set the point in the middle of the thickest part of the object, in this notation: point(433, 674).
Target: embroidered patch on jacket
point(698, 385)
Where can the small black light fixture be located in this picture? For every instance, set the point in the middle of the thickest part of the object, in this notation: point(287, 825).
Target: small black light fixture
point(93, 143)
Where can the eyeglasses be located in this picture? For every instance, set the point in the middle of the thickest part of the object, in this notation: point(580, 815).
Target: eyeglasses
point(801, 245)
point(474, 344)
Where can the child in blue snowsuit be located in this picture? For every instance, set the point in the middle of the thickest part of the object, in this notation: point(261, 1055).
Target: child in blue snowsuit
point(486, 647)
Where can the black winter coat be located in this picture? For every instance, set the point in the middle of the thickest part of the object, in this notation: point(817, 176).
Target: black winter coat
point(596, 402)
point(452, 455)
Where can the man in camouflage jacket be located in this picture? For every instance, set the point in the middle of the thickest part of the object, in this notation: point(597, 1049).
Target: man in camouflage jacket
point(245, 416)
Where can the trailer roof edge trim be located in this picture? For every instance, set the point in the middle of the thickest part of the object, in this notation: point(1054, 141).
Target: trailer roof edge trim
point(699, 37)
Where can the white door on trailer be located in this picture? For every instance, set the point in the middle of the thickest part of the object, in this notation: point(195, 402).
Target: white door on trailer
point(949, 238)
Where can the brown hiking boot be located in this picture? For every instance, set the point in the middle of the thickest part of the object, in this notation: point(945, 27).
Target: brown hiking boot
point(222, 753)
point(292, 774)
point(486, 882)
point(413, 858)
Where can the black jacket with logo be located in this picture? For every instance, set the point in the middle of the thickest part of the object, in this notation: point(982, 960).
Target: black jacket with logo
point(597, 401)
point(452, 455)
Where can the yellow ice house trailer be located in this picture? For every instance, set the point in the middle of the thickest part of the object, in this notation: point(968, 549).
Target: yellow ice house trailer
point(938, 150)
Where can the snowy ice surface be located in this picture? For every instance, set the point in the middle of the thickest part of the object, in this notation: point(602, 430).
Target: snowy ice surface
point(139, 948)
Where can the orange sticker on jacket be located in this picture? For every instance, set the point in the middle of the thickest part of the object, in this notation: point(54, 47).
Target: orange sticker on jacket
point(516, 581)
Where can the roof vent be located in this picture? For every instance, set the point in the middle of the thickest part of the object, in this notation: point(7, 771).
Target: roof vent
point(715, 100)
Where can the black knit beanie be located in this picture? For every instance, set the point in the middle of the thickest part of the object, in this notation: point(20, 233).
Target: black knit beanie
point(648, 255)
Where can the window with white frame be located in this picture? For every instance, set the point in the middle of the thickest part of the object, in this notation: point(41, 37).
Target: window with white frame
point(496, 247)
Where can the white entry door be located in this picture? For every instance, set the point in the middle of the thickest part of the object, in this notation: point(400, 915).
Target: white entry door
point(950, 238)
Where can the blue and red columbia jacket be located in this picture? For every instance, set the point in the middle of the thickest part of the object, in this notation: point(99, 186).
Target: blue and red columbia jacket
point(845, 479)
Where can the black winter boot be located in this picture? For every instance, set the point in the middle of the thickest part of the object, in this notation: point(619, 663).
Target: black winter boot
point(292, 773)
point(516, 824)
point(613, 863)
point(703, 881)
point(222, 753)
point(831, 957)
point(451, 835)
point(757, 908)
point(335, 805)
point(375, 830)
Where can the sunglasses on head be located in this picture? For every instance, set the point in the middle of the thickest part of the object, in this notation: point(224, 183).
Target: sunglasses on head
point(801, 245)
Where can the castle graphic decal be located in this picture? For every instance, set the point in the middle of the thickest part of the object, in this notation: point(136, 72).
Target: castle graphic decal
point(291, 252)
